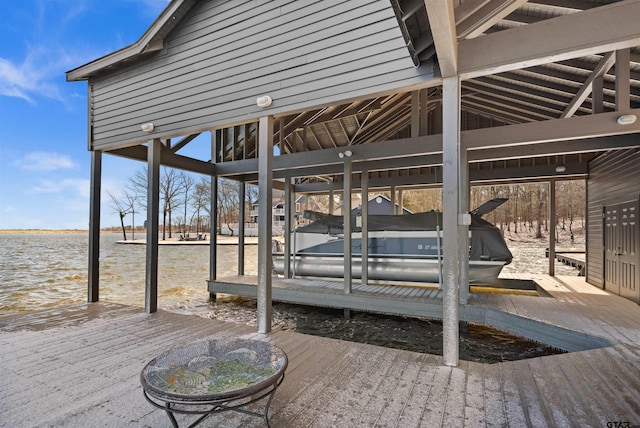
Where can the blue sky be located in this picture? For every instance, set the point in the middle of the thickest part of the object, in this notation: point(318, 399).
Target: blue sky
point(44, 162)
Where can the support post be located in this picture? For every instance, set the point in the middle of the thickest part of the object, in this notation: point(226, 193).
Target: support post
point(415, 113)
point(93, 294)
point(597, 96)
point(552, 227)
point(241, 220)
point(265, 224)
point(346, 229)
point(450, 195)
point(288, 209)
point(213, 209)
point(393, 200)
point(623, 79)
point(331, 202)
point(424, 112)
point(153, 209)
point(364, 188)
point(463, 235)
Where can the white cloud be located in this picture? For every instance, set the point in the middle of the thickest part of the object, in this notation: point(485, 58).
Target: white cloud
point(75, 187)
point(45, 161)
point(34, 77)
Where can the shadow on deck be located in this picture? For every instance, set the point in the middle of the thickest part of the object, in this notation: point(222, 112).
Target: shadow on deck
point(421, 301)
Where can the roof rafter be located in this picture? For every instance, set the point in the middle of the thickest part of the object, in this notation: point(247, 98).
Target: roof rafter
point(606, 28)
point(443, 29)
point(487, 16)
point(603, 66)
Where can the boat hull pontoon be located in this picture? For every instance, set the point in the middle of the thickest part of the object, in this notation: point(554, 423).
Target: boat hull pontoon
point(401, 248)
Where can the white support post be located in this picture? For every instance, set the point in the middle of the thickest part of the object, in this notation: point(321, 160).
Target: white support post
point(450, 195)
point(94, 227)
point(153, 208)
point(265, 224)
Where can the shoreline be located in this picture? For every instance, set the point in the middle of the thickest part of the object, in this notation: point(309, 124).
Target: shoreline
point(41, 231)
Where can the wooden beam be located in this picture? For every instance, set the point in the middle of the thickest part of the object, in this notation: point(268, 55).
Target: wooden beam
point(167, 159)
point(467, 9)
point(186, 140)
point(574, 128)
point(486, 17)
point(443, 28)
point(622, 79)
point(603, 29)
point(600, 70)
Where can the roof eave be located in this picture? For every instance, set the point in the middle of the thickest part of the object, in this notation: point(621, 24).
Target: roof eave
point(151, 41)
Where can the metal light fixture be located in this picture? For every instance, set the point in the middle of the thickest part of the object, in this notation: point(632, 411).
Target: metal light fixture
point(264, 101)
point(560, 165)
point(147, 127)
point(626, 119)
point(345, 154)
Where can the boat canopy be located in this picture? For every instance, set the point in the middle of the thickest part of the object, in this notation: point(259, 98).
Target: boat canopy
point(486, 243)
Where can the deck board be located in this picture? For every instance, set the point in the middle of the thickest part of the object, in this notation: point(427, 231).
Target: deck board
point(79, 365)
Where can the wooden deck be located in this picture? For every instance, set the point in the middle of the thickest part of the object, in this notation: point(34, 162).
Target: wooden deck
point(79, 366)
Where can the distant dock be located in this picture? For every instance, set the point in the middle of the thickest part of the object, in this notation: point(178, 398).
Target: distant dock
point(574, 258)
point(220, 240)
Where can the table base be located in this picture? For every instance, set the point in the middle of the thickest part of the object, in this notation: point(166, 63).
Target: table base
point(172, 406)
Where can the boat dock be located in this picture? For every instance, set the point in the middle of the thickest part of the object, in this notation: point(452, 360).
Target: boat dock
point(220, 240)
point(574, 258)
point(79, 365)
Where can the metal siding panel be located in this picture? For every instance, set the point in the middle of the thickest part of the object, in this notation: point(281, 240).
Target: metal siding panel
point(205, 88)
point(612, 180)
point(301, 53)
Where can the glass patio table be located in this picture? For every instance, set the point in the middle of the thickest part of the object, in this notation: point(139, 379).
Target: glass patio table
point(213, 376)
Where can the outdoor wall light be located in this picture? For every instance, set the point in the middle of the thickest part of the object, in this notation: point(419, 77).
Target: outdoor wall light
point(626, 119)
point(147, 127)
point(345, 154)
point(561, 168)
point(264, 101)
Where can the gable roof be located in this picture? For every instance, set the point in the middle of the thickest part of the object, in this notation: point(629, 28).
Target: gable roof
point(151, 41)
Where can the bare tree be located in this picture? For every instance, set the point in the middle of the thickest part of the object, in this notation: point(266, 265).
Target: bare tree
point(227, 202)
point(201, 199)
point(186, 183)
point(122, 206)
point(169, 192)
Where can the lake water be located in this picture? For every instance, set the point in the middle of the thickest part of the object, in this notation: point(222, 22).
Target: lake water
point(42, 270)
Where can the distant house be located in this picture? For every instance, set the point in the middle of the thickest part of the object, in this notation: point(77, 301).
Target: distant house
point(278, 212)
point(380, 204)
